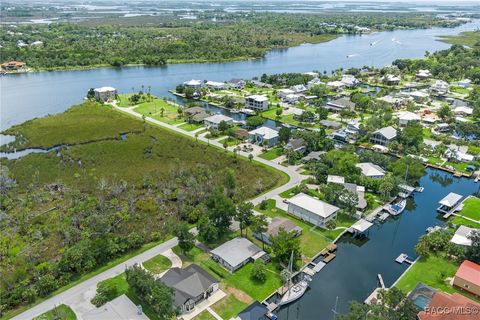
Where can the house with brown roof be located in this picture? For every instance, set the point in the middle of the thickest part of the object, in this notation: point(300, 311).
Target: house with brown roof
point(467, 277)
point(13, 65)
point(443, 305)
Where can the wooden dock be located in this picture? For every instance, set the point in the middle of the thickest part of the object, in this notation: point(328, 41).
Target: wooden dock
point(319, 266)
point(403, 258)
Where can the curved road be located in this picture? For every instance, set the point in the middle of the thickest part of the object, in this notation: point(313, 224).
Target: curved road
point(78, 297)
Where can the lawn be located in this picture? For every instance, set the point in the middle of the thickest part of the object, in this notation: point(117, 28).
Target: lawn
point(190, 126)
point(230, 141)
point(287, 118)
point(229, 307)
point(272, 153)
point(61, 312)
point(471, 209)
point(157, 264)
point(161, 110)
point(459, 90)
point(312, 240)
point(289, 193)
point(205, 315)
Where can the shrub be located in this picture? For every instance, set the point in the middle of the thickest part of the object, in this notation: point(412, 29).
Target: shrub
point(259, 272)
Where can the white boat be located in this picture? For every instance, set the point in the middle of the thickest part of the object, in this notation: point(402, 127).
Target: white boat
point(397, 208)
point(476, 179)
point(419, 189)
point(294, 292)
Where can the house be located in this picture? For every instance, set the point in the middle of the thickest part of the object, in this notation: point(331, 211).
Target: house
point(404, 117)
point(423, 74)
point(418, 96)
point(299, 88)
point(282, 93)
point(262, 134)
point(236, 253)
point(241, 134)
point(462, 236)
point(340, 104)
point(463, 111)
point(215, 86)
point(314, 82)
point(36, 44)
point(312, 210)
point(314, 75)
point(391, 80)
point(360, 192)
point(349, 81)
point(302, 116)
point(371, 170)
point(291, 98)
point(439, 87)
point(335, 179)
point(449, 303)
point(236, 83)
point(274, 226)
point(13, 65)
point(120, 308)
point(353, 127)
point(458, 155)
point(255, 311)
point(194, 84)
point(442, 128)
point(190, 285)
point(196, 114)
point(335, 85)
point(256, 102)
point(465, 83)
point(383, 136)
point(340, 136)
point(330, 124)
point(313, 156)
point(467, 278)
point(215, 120)
point(449, 202)
point(261, 84)
point(105, 93)
point(297, 145)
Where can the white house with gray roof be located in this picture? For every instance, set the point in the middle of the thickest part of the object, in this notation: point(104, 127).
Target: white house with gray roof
point(371, 170)
point(383, 136)
point(236, 253)
point(259, 135)
point(215, 120)
point(312, 210)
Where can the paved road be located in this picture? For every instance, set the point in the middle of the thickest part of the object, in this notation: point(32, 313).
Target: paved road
point(78, 297)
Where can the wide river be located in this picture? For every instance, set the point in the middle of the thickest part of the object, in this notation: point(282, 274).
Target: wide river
point(26, 96)
point(352, 275)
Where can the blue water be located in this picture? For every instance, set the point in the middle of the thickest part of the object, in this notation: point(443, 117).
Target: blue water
point(27, 96)
point(352, 275)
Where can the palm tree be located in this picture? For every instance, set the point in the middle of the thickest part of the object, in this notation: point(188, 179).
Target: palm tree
point(259, 225)
point(250, 157)
point(162, 111)
point(196, 136)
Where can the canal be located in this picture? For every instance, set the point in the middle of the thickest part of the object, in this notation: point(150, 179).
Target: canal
point(352, 275)
point(26, 96)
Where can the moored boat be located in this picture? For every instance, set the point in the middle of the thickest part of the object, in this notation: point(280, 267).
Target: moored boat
point(396, 208)
point(294, 292)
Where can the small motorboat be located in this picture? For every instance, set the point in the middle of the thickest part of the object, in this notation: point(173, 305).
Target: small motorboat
point(396, 208)
point(419, 189)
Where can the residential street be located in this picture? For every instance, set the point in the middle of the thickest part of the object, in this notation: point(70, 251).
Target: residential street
point(78, 297)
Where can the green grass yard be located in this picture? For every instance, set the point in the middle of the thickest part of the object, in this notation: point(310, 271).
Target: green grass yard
point(230, 141)
point(61, 312)
point(190, 126)
point(272, 153)
point(154, 108)
point(229, 307)
point(471, 209)
point(157, 264)
point(205, 315)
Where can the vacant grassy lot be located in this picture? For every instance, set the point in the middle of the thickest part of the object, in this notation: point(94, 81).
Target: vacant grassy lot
point(229, 307)
point(272, 153)
point(470, 210)
point(157, 264)
point(205, 315)
point(190, 126)
point(61, 312)
point(161, 110)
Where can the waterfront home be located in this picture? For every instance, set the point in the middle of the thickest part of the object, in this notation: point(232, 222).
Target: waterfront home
point(465, 83)
point(448, 302)
point(215, 86)
point(297, 145)
point(195, 114)
point(261, 84)
point(467, 278)
point(419, 96)
point(391, 80)
point(236, 83)
point(13, 65)
point(282, 93)
point(330, 124)
point(214, 121)
point(299, 88)
point(423, 74)
point(383, 136)
point(352, 188)
point(241, 134)
point(314, 82)
point(439, 87)
point(462, 236)
point(340, 104)
point(371, 170)
point(353, 127)
point(340, 136)
point(255, 311)
point(237, 252)
point(105, 93)
point(442, 128)
point(404, 117)
point(454, 154)
point(259, 135)
point(190, 285)
point(313, 156)
point(463, 111)
point(349, 81)
point(291, 98)
point(194, 84)
point(120, 308)
point(449, 202)
point(314, 75)
point(312, 210)
point(256, 102)
point(335, 85)
point(299, 115)
point(274, 226)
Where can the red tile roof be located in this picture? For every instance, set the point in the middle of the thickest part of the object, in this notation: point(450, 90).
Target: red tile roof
point(469, 271)
point(450, 307)
point(14, 63)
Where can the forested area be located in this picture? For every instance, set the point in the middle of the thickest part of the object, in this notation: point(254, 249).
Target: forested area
point(160, 40)
point(69, 212)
